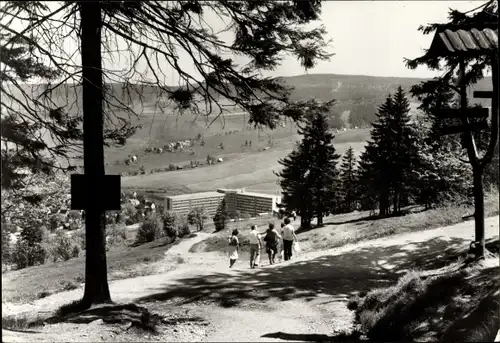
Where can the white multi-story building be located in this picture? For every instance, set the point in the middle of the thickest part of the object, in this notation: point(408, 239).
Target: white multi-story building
point(236, 200)
point(250, 202)
point(183, 204)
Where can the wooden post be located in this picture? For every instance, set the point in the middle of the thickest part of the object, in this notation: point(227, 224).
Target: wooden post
point(477, 169)
point(96, 282)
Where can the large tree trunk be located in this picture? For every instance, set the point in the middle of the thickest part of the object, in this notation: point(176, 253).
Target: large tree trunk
point(383, 203)
point(320, 219)
point(96, 276)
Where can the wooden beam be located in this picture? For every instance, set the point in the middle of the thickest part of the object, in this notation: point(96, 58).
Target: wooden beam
point(474, 112)
point(89, 192)
point(455, 129)
point(483, 94)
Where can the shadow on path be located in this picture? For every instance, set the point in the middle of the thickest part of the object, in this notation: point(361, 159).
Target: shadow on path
point(340, 275)
point(309, 337)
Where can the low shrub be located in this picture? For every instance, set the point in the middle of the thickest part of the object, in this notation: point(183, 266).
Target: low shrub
point(170, 225)
point(183, 230)
point(6, 249)
point(64, 247)
point(116, 235)
point(25, 255)
point(9, 227)
point(76, 251)
point(69, 285)
point(245, 216)
point(121, 218)
point(34, 234)
point(56, 221)
point(149, 231)
point(79, 237)
point(129, 210)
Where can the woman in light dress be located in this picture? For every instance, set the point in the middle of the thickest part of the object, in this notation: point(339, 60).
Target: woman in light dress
point(234, 248)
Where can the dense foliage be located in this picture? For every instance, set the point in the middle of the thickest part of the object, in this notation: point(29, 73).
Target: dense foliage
point(402, 164)
point(197, 217)
point(221, 217)
point(310, 177)
point(348, 181)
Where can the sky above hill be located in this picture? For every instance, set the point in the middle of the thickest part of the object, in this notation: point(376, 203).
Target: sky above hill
point(374, 37)
point(368, 38)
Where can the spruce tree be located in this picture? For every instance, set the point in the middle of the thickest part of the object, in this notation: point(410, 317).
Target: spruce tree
point(296, 192)
point(376, 159)
point(310, 177)
point(367, 191)
point(348, 181)
point(221, 216)
point(323, 159)
point(404, 153)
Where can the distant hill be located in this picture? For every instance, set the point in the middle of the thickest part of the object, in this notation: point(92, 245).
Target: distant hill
point(357, 96)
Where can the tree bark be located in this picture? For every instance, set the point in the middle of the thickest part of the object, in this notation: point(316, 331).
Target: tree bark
point(320, 219)
point(383, 203)
point(96, 276)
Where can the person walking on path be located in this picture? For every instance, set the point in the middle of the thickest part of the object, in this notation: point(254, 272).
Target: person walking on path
point(288, 237)
point(255, 246)
point(234, 248)
point(294, 215)
point(272, 238)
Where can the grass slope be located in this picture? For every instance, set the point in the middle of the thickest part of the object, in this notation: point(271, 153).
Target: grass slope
point(354, 227)
point(252, 170)
point(459, 302)
point(28, 284)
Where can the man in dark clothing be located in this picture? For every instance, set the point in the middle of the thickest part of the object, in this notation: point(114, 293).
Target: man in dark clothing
point(272, 237)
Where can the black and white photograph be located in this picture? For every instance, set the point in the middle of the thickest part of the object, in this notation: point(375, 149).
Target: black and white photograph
point(250, 171)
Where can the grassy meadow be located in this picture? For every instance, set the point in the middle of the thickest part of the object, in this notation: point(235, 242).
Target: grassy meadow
point(243, 167)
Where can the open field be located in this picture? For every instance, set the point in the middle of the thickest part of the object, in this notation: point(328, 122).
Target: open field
point(251, 170)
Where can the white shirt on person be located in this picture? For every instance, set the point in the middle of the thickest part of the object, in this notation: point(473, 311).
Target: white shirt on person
point(288, 231)
point(254, 237)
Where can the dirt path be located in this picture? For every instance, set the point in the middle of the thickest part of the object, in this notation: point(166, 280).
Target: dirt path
point(292, 300)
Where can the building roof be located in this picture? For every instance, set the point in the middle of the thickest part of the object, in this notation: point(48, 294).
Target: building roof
point(260, 195)
point(196, 196)
point(464, 40)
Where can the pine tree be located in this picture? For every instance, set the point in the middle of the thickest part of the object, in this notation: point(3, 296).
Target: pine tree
point(367, 175)
point(221, 216)
point(296, 193)
point(310, 177)
point(348, 181)
point(376, 159)
point(386, 168)
point(323, 159)
point(440, 176)
point(24, 150)
point(404, 154)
